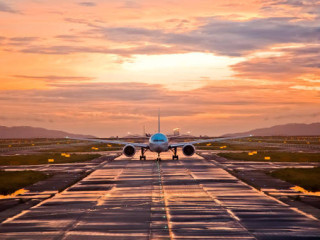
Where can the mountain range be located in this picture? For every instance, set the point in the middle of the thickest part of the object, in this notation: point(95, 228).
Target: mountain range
point(33, 132)
point(291, 129)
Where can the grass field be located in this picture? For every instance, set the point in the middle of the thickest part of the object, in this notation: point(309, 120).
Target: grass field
point(35, 159)
point(308, 179)
point(228, 147)
point(284, 139)
point(274, 156)
point(12, 181)
point(87, 148)
point(12, 143)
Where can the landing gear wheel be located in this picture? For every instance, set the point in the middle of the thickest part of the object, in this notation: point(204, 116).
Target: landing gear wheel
point(142, 158)
point(158, 158)
point(175, 157)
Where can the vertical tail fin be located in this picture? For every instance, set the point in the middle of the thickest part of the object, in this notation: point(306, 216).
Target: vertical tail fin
point(159, 120)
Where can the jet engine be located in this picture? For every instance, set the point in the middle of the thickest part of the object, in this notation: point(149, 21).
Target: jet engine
point(188, 150)
point(129, 150)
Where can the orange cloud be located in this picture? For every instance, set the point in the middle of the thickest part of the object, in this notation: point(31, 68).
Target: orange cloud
point(294, 64)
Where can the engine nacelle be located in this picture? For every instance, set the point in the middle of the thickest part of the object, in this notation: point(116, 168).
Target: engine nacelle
point(188, 150)
point(129, 150)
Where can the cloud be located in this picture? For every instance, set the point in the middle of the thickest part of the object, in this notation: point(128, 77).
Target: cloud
point(237, 38)
point(126, 52)
point(302, 8)
point(54, 78)
point(307, 88)
point(295, 3)
point(25, 117)
point(19, 41)
point(91, 92)
point(69, 38)
point(290, 65)
point(109, 91)
point(130, 5)
point(220, 36)
point(87, 4)
point(23, 39)
point(6, 8)
point(151, 93)
point(217, 35)
point(295, 115)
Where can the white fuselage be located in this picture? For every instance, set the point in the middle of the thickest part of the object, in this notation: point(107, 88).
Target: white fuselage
point(158, 143)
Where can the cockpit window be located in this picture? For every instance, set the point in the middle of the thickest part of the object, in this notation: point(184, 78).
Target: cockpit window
point(159, 137)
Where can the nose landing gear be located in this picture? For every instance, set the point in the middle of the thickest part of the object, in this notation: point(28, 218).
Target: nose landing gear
point(158, 158)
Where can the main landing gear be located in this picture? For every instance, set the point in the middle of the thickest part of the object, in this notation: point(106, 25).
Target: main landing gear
point(175, 156)
point(143, 157)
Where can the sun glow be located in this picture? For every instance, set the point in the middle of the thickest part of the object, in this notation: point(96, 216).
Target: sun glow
point(181, 69)
point(195, 59)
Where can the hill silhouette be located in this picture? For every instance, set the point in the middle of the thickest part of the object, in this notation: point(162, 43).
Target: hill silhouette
point(33, 132)
point(291, 129)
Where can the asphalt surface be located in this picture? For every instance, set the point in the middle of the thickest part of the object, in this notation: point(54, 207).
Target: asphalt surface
point(255, 165)
point(187, 199)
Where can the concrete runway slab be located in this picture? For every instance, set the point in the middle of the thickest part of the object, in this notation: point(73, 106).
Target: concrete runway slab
point(187, 199)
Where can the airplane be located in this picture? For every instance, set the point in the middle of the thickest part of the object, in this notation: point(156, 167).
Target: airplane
point(159, 143)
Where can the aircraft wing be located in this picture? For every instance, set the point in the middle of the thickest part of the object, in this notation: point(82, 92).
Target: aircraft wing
point(181, 144)
point(142, 145)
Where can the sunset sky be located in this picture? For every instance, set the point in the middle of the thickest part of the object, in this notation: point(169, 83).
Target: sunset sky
point(104, 67)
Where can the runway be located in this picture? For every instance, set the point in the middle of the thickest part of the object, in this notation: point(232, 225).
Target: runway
point(187, 199)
